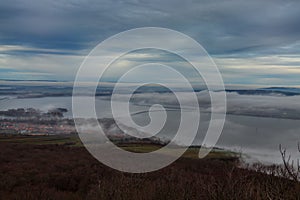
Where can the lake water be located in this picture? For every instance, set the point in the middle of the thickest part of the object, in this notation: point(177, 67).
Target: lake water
point(257, 137)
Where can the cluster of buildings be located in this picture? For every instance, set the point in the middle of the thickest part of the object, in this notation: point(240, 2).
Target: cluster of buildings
point(16, 127)
point(31, 121)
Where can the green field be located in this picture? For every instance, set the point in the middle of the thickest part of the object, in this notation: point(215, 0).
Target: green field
point(74, 141)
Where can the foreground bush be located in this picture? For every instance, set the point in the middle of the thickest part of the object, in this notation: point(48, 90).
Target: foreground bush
point(60, 172)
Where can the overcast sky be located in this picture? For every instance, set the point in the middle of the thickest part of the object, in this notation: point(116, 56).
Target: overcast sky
point(252, 42)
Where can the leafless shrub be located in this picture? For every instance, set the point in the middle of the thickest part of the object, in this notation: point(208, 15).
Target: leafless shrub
point(292, 167)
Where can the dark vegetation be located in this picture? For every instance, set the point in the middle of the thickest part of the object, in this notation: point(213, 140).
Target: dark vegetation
point(31, 113)
point(52, 167)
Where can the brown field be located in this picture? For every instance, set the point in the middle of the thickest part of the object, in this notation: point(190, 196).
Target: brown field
point(52, 167)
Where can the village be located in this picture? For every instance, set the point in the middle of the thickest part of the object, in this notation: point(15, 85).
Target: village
point(36, 127)
point(35, 122)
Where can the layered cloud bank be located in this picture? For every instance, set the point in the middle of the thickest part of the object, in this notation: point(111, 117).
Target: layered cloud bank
point(252, 42)
point(272, 105)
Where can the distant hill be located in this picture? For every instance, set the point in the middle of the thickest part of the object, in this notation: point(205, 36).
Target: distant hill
point(269, 91)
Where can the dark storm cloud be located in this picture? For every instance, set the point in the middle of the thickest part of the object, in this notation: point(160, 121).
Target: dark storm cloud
point(222, 27)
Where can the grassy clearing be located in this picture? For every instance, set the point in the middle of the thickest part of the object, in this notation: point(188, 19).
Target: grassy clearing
point(74, 141)
point(190, 152)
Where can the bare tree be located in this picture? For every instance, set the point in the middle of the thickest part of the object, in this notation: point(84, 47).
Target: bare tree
point(291, 168)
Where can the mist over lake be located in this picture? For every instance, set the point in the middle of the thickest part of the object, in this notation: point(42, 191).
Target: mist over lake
point(258, 137)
